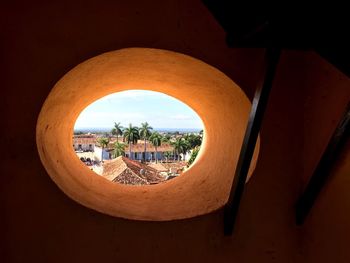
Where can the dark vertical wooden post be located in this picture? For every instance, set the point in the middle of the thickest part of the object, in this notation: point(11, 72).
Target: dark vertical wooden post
point(255, 119)
point(323, 168)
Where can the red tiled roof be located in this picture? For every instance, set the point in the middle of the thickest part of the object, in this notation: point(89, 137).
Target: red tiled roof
point(124, 170)
point(158, 166)
point(178, 166)
point(128, 177)
point(84, 139)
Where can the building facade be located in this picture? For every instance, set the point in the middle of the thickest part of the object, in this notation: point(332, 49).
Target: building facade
point(163, 153)
point(84, 143)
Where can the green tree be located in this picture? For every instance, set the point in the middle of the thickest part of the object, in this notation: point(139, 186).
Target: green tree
point(117, 130)
point(131, 135)
point(180, 146)
point(145, 133)
point(119, 149)
point(167, 155)
point(193, 140)
point(156, 140)
point(166, 138)
point(103, 143)
point(193, 156)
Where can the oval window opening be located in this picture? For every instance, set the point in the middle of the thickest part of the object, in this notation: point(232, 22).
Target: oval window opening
point(203, 187)
point(138, 137)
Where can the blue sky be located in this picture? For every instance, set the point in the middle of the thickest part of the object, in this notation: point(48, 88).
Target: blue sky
point(137, 106)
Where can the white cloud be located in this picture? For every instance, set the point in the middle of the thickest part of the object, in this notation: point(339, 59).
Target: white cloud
point(181, 117)
point(106, 119)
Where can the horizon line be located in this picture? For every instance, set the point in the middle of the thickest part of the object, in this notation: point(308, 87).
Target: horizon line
point(160, 128)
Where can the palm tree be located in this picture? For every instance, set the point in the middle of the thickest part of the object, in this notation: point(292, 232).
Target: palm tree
point(180, 146)
point(117, 130)
point(193, 140)
point(167, 155)
point(145, 133)
point(172, 143)
point(119, 149)
point(166, 138)
point(131, 135)
point(156, 140)
point(103, 142)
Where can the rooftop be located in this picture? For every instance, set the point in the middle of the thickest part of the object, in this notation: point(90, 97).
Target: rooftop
point(126, 171)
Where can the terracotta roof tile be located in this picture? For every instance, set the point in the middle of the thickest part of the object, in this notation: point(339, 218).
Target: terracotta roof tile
point(124, 170)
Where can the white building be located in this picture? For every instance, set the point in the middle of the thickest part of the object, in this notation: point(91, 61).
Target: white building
point(107, 154)
point(165, 151)
point(85, 143)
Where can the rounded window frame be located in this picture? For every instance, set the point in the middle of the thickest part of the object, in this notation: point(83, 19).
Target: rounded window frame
point(202, 188)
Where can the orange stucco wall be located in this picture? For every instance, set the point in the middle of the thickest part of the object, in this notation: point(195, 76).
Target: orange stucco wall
point(203, 188)
point(41, 41)
point(326, 233)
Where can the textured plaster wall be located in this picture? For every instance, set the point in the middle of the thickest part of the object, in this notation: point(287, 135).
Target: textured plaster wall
point(326, 233)
point(326, 94)
point(203, 188)
point(325, 236)
point(43, 41)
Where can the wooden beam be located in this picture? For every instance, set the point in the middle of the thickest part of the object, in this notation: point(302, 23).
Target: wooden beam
point(255, 119)
point(323, 168)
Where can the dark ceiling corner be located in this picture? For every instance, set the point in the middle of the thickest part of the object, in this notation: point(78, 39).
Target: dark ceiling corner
point(294, 27)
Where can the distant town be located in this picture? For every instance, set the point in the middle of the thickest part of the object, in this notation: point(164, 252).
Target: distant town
point(137, 155)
